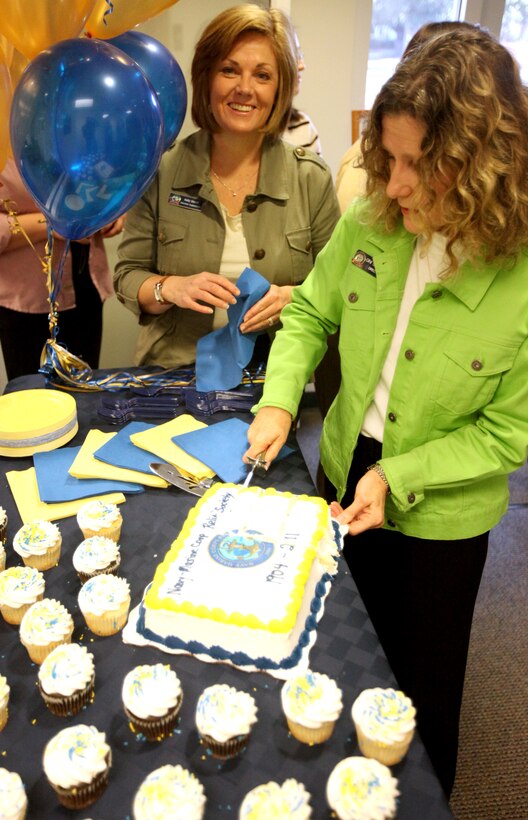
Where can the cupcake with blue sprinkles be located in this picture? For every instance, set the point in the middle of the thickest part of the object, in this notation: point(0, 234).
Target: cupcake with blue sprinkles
point(312, 703)
point(289, 801)
point(77, 763)
point(385, 720)
point(104, 602)
point(224, 719)
point(45, 625)
point(39, 544)
point(13, 798)
point(170, 791)
point(20, 587)
point(362, 789)
point(152, 698)
point(66, 679)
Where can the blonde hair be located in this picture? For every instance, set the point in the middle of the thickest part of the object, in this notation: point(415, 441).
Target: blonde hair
point(465, 89)
point(218, 40)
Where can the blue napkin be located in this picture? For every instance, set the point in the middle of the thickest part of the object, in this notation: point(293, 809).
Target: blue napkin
point(55, 484)
point(221, 447)
point(120, 452)
point(222, 355)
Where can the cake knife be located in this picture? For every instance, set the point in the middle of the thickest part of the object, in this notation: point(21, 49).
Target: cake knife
point(256, 463)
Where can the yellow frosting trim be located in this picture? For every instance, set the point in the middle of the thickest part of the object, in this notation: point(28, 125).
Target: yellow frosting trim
point(286, 624)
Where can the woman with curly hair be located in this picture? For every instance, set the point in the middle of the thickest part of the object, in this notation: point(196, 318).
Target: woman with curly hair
point(427, 280)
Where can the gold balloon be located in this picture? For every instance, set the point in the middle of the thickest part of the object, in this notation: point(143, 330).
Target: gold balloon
point(105, 23)
point(33, 25)
point(5, 104)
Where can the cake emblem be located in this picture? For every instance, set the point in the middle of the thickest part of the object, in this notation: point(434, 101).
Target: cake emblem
point(240, 548)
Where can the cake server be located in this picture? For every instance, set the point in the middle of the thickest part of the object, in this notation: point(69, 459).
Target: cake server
point(174, 477)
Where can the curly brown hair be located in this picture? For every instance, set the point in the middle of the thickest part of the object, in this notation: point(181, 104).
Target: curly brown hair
point(217, 41)
point(465, 89)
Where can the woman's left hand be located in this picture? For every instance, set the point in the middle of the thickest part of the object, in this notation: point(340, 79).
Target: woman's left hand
point(266, 312)
point(113, 228)
point(367, 511)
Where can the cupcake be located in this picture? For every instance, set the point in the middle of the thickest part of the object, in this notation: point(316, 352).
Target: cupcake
point(359, 788)
point(20, 587)
point(38, 544)
point(2, 557)
point(45, 625)
point(66, 679)
point(170, 791)
point(224, 717)
point(4, 701)
point(152, 698)
point(291, 800)
point(77, 763)
point(104, 601)
point(97, 555)
point(13, 799)
point(384, 721)
point(100, 518)
point(312, 703)
point(3, 526)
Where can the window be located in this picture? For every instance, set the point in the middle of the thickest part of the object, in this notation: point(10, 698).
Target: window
point(393, 24)
point(514, 33)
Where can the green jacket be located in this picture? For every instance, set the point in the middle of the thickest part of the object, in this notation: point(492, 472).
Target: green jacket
point(457, 420)
point(177, 228)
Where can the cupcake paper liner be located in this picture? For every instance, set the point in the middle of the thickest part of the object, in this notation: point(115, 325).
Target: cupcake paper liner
point(155, 728)
point(387, 753)
point(37, 653)
point(311, 735)
point(108, 623)
point(4, 714)
point(83, 795)
point(227, 748)
point(113, 532)
point(111, 569)
point(14, 614)
point(66, 705)
point(47, 561)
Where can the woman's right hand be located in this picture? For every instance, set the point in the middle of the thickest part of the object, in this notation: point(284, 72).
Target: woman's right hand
point(267, 433)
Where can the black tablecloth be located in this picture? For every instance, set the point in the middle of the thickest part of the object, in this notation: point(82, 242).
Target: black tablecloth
point(347, 649)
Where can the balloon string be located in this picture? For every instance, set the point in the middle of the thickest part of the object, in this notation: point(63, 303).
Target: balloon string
point(14, 223)
point(108, 11)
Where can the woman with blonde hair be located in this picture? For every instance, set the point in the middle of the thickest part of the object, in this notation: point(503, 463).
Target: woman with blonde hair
point(426, 279)
point(230, 195)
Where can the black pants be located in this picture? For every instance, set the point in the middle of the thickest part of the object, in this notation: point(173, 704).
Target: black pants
point(420, 595)
point(23, 335)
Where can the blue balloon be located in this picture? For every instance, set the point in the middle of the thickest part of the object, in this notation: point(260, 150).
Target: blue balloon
point(164, 73)
point(87, 134)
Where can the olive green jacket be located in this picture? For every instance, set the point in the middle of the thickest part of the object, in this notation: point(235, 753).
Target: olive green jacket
point(177, 228)
point(457, 418)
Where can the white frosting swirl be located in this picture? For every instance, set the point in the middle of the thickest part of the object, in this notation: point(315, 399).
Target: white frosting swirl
point(13, 798)
point(311, 699)
point(67, 669)
point(384, 715)
point(36, 538)
point(76, 755)
point(223, 712)
point(151, 691)
point(97, 515)
point(95, 553)
point(271, 800)
point(103, 593)
point(45, 622)
point(20, 586)
point(170, 791)
point(362, 789)
point(4, 696)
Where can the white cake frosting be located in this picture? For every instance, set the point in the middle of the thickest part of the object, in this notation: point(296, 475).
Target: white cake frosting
point(95, 553)
point(45, 622)
point(97, 515)
point(67, 669)
point(36, 538)
point(362, 789)
point(151, 690)
point(13, 798)
point(384, 715)
point(243, 579)
point(311, 699)
point(103, 593)
point(4, 695)
point(170, 791)
point(76, 755)
point(223, 712)
point(20, 586)
point(291, 800)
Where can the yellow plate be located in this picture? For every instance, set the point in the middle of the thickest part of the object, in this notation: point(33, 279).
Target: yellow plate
point(34, 421)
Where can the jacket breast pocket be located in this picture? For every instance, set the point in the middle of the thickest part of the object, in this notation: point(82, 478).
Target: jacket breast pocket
point(300, 247)
point(358, 299)
point(170, 243)
point(471, 374)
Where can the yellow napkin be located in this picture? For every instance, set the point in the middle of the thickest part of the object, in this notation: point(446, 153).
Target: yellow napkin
point(158, 440)
point(85, 465)
point(24, 487)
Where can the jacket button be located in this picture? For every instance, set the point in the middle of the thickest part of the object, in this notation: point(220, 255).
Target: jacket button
point(300, 152)
point(161, 236)
point(391, 523)
point(476, 365)
point(260, 253)
point(252, 206)
point(353, 297)
point(411, 498)
point(392, 417)
point(409, 355)
point(436, 294)
point(308, 245)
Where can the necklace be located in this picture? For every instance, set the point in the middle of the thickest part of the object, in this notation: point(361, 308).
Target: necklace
point(233, 191)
